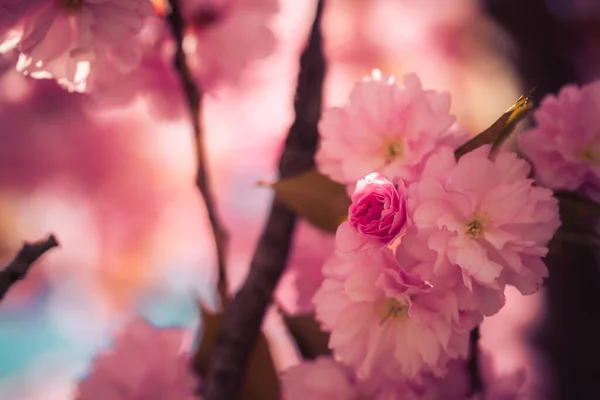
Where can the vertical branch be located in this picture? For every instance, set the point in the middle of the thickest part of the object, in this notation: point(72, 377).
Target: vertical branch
point(18, 268)
point(243, 316)
point(194, 101)
point(473, 362)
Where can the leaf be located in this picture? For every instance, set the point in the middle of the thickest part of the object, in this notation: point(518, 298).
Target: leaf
point(313, 196)
point(310, 339)
point(261, 381)
point(501, 129)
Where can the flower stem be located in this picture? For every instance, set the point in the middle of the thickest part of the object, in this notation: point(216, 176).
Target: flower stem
point(244, 314)
point(193, 96)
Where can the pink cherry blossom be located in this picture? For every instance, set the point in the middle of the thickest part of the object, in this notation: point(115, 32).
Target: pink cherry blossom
point(327, 379)
point(303, 275)
point(510, 385)
point(321, 379)
point(564, 146)
point(73, 40)
point(226, 36)
point(485, 217)
point(378, 208)
point(145, 363)
point(384, 319)
point(385, 127)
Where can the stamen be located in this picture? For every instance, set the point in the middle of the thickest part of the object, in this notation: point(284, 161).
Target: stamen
point(392, 151)
point(393, 309)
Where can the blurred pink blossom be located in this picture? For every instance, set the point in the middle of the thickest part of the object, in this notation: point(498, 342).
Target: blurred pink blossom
point(145, 363)
point(564, 146)
point(226, 36)
point(383, 319)
point(303, 275)
point(327, 379)
point(378, 208)
point(321, 379)
point(501, 386)
point(73, 41)
point(384, 128)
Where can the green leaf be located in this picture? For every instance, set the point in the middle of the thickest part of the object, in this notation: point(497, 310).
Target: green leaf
point(261, 381)
point(501, 129)
point(321, 201)
point(310, 339)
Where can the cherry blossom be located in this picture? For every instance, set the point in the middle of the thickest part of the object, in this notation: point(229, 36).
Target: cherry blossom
point(387, 128)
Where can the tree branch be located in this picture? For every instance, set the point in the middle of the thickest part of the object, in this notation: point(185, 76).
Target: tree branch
point(18, 268)
point(243, 316)
point(194, 101)
point(473, 362)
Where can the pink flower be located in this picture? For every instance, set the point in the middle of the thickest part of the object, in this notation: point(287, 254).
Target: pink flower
point(226, 36)
point(565, 145)
point(384, 128)
point(321, 379)
point(485, 217)
point(145, 363)
point(327, 379)
point(303, 276)
point(71, 40)
point(510, 385)
point(383, 319)
point(378, 209)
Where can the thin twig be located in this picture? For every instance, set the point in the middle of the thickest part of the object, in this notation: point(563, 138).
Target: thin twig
point(473, 362)
point(194, 100)
point(18, 268)
point(243, 316)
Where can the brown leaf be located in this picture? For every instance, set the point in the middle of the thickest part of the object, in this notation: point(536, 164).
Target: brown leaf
point(321, 201)
point(501, 129)
point(310, 339)
point(261, 381)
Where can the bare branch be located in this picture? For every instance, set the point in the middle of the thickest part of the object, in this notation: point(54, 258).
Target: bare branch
point(18, 268)
point(243, 316)
point(194, 100)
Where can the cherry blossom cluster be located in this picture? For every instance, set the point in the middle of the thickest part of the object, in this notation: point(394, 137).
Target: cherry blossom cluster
point(91, 45)
point(564, 146)
point(144, 362)
point(429, 246)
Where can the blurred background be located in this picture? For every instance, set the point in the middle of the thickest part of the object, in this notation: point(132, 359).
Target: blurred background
point(113, 178)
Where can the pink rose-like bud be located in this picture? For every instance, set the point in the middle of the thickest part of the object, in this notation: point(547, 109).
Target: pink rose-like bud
point(378, 207)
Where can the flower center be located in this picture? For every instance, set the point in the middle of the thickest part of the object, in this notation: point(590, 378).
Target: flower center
point(392, 150)
point(475, 227)
point(71, 4)
point(393, 309)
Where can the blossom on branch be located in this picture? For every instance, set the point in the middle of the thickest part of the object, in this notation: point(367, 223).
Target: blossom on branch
point(385, 320)
point(226, 36)
point(145, 363)
point(564, 146)
point(386, 128)
point(326, 379)
point(75, 41)
point(485, 219)
point(378, 208)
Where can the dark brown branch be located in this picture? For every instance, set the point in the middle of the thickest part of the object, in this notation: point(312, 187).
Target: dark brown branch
point(473, 362)
point(243, 316)
point(18, 268)
point(194, 101)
